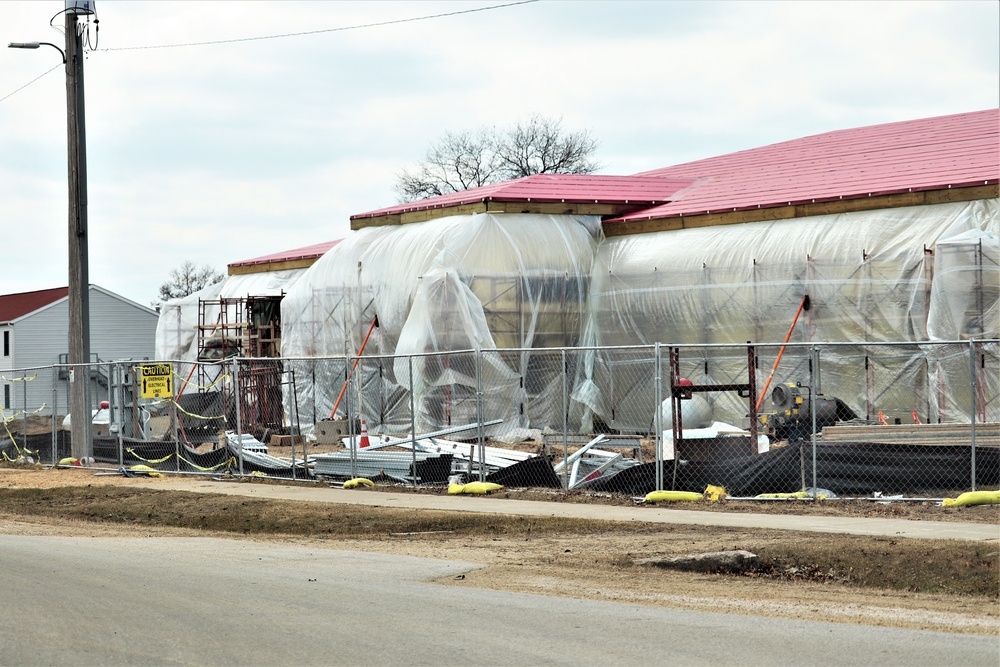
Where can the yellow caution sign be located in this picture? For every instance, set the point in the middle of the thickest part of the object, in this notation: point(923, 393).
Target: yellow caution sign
point(157, 380)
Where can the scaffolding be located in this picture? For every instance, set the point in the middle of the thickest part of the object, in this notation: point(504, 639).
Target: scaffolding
point(247, 327)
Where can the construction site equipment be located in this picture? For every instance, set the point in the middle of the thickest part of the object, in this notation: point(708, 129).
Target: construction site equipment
point(791, 417)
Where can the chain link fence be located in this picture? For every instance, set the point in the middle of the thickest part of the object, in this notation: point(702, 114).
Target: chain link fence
point(835, 419)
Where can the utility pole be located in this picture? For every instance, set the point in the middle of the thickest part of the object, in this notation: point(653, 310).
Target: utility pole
point(79, 273)
point(78, 299)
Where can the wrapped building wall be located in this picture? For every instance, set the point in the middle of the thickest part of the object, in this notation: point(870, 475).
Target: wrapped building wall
point(507, 284)
point(475, 282)
point(903, 274)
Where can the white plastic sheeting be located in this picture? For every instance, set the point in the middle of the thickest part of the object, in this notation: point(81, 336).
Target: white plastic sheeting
point(871, 277)
point(475, 282)
point(176, 329)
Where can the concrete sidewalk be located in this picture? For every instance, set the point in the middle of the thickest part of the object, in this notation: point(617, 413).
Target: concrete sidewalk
point(937, 530)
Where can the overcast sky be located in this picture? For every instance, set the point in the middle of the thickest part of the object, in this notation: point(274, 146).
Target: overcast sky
point(228, 151)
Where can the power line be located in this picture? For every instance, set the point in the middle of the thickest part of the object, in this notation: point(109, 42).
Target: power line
point(290, 34)
point(11, 94)
point(317, 32)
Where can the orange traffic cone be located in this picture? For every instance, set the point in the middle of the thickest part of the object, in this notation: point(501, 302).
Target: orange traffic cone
point(364, 435)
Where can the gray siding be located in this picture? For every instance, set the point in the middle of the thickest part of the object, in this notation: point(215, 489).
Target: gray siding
point(119, 329)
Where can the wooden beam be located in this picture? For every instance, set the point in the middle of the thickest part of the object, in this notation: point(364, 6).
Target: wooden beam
point(546, 208)
point(926, 198)
point(244, 269)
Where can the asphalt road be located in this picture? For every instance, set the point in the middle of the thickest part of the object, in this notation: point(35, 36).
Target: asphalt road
point(208, 601)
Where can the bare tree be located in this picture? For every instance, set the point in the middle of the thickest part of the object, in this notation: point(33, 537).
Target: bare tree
point(539, 146)
point(460, 161)
point(188, 279)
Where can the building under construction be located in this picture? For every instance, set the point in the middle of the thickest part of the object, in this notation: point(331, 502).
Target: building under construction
point(891, 231)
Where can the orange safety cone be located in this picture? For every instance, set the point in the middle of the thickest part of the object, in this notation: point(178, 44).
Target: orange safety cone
point(364, 435)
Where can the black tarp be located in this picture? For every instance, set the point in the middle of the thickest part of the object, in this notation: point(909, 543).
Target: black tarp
point(39, 446)
point(847, 469)
point(434, 470)
point(534, 472)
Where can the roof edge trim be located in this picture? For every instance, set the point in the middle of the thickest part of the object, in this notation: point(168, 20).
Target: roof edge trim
point(900, 200)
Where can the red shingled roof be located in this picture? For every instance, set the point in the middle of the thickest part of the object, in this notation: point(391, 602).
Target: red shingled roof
point(955, 151)
point(13, 306)
point(552, 188)
point(314, 251)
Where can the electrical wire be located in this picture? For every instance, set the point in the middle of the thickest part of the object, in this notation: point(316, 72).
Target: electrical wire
point(12, 93)
point(317, 32)
point(263, 37)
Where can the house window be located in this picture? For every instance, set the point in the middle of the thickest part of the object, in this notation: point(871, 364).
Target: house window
point(6, 395)
point(6, 343)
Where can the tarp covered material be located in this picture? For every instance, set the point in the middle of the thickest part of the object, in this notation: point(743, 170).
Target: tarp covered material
point(475, 282)
point(847, 469)
point(534, 472)
point(871, 276)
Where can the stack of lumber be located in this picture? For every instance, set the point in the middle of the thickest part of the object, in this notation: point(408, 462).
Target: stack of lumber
point(987, 434)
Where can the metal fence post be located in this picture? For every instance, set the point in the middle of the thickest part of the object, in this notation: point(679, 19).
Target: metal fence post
point(120, 384)
point(565, 416)
point(24, 411)
point(479, 415)
point(239, 410)
point(658, 416)
point(296, 429)
point(413, 449)
point(348, 378)
point(55, 412)
point(973, 390)
point(413, 411)
point(177, 440)
point(813, 393)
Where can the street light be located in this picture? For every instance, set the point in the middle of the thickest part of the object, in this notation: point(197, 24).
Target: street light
point(79, 278)
point(35, 45)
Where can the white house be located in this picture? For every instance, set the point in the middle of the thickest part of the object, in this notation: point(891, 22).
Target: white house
point(34, 327)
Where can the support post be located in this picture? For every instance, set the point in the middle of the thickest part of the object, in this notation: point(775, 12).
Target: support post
point(973, 391)
point(658, 417)
point(238, 392)
point(79, 279)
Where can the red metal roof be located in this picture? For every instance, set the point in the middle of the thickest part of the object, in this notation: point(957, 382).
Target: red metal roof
point(552, 188)
point(13, 306)
point(314, 251)
point(955, 151)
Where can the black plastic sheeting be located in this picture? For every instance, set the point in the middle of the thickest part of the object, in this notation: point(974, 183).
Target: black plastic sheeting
point(847, 469)
point(434, 470)
point(534, 472)
point(39, 446)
